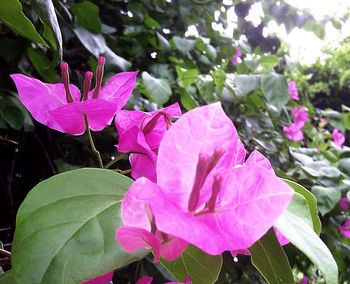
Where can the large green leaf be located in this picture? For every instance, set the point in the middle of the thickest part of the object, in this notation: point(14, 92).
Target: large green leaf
point(157, 90)
point(244, 84)
point(269, 258)
point(275, 89)
point(65, 228)
point(12, 16)
point(203, 268)
point(206, 88)
point(40, 63)
point(5, 277)
point(86, 14)
point(327, 197)
point(311, 201)
point(96, 45)
point(296, 225)
point(52, 32)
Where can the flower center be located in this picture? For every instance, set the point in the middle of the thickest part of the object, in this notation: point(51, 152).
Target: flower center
point(205, 165)
point(99, 76)
point(87, 85)
point(65, 79)
point(149, 126)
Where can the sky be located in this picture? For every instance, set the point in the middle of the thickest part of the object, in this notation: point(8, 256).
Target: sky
point(305, 47)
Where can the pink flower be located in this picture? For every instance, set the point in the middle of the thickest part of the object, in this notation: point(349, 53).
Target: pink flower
point(237, 56)
point(300, 115)
point(345, 229)
point(323, 122)
point(102, 279)
point(304, 280)
point(338, 138)
point(140, 133)
point(294, 132)
point(293, 91)
point(63, 108)
point(344, 203)
point(148, 280)
point(205, 194)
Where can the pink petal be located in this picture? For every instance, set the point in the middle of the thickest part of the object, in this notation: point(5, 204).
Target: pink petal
point(143, 166)
point(338, 138)
point(254, 198)
point(344, 203)
point(41, 98)
point(128, 127)
point(102, 279)
point(201, 130)
point(258, 159)
point(345, 229)
point(134, 209)
point(70, 118)
point(99, 113)
point(135, 212)
point(145, 280)
point(132, 239)
point(118, 89)
point(173, 248)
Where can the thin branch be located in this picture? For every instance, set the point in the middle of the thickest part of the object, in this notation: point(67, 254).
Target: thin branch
point(93, 148)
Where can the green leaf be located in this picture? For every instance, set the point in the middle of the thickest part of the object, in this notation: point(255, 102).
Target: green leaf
point(65, 228)
point(157, 90)
point(244, 84)
point(219, 80)
point(275, 90)
point(13, 116)
point(186, 77)
point(269, 61)
point(271, 261)
point(327, 198)
point(163, 42)
point(344, 165)
point(12, 15)
point(40, 63)
point(184, 45)
point(296, 225)
point(5, 277)
point(86, 14)
point(203, 268)
point(311, 201)
point(96, 45)
point(187, 100)
point(206, 88)
point(52, 31)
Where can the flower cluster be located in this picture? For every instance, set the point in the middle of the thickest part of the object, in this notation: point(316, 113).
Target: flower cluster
point(294, 130)
point(192, 175)
point(62, 107)
point(293, 91)
point(205, 187)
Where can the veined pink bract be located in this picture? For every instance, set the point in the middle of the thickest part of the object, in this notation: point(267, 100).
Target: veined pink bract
point(205, 194)
point(140, 133)
point(62, 107)
point(338, 138)
point(293, 91)
point(345, 229)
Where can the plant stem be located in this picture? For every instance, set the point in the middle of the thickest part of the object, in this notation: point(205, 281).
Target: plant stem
point(112, 162)
point(93, 148)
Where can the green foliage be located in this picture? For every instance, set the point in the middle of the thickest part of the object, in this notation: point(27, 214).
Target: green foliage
point(201, 267)
point(66, 227)
point(297, 226)
point(12, 15)
point(269, 258)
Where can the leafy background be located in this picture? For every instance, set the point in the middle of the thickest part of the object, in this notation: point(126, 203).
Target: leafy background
point(150, 36)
